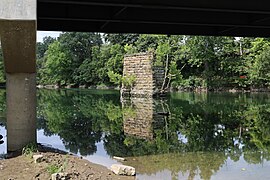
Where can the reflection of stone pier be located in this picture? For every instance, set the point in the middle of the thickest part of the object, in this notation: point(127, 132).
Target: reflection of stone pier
point(140, 117)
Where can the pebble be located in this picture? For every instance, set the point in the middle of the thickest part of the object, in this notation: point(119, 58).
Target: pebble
point(37, 158)
point(59, 176)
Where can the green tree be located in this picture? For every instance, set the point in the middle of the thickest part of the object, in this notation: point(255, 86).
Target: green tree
point(259, 63)
point(58, 67)
point(41, 49)
point(114, 65)
point(43, 46)
point(147, 42)
point(93, 70)
point(121, 39)
point(79, 48)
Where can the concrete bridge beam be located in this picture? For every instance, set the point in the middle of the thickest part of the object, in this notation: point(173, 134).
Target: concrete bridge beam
point(18, 40)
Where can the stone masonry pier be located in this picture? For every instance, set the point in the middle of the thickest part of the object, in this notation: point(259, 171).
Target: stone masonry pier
point(147, 78)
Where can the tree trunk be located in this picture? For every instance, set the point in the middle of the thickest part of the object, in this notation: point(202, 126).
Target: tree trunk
point(166, 74)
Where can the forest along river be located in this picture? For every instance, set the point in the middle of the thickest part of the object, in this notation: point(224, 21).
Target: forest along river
point(183, 136)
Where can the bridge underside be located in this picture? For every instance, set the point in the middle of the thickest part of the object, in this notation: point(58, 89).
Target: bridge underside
point(189, 17)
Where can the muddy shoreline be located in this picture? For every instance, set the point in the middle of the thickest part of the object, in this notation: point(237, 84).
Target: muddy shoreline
point(74, 167)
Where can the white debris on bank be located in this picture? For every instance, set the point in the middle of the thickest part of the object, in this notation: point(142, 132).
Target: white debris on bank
point(119, 158)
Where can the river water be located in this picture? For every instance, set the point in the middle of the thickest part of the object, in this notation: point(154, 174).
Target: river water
point(182, 136)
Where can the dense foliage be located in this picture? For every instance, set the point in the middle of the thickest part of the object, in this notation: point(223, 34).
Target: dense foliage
point(194, 61)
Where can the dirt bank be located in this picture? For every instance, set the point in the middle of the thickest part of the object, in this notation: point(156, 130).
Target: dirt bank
point(24, 167)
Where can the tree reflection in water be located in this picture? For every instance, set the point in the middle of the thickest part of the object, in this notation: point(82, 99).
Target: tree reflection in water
point(185, 132)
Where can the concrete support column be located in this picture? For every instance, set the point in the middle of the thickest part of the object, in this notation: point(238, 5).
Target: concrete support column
point(21, 110)
point(18, 40)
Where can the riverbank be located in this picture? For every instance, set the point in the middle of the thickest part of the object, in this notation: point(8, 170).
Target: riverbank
point(179, 89)
point(102, 86)
point(72, 167)
point(220, 89)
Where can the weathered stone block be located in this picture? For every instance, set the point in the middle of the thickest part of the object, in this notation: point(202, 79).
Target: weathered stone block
point(123, 170)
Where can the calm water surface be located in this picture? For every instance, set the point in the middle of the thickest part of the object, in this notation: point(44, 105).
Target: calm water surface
point(183, 136)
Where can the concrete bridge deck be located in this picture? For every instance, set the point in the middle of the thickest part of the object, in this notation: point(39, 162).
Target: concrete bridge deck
point(189, 17)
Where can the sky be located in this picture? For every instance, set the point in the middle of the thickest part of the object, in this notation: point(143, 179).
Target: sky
point(42, 34)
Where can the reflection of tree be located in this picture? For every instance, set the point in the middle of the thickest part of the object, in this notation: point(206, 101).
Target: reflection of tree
point(202, 164)
point(114, 145)
point(104, 112)
point(62, 111)
point(41, 121)
point(235, 154)
point(206, 129)
point(257, 126)
point(208, 125)
point(253, 157)
point(209, 128)
point(207, 132)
